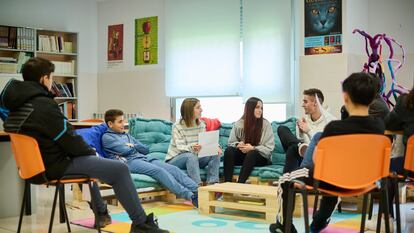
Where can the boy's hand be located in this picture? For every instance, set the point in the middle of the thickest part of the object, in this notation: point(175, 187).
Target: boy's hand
point(196, 148)
point(130, 144)
point(303, 125)
point(240, 145)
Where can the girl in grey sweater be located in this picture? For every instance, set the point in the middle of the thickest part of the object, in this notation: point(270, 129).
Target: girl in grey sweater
point(251, 142)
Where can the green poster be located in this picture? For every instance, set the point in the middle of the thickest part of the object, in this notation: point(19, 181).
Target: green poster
point(146, 41)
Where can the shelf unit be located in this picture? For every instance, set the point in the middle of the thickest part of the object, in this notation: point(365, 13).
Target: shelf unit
point(18, 44)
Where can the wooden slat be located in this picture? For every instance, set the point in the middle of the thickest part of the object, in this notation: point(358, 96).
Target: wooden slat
point(239, 206)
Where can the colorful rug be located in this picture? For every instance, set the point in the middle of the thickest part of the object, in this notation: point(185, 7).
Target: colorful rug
point(184, 219)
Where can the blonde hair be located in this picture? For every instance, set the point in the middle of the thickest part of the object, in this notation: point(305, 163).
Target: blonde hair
point(187, 112)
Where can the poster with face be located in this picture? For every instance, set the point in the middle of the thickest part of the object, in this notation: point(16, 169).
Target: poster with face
point(323, 26)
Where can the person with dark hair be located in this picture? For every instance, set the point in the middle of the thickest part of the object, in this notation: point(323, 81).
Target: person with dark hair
point(359, 89)
point(123, 147)
point(378, 107)
point(312, 123)
point(251, 142)
point(33, 112)
point(184, 147)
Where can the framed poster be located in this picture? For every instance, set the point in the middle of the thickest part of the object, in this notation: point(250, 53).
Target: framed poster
point(323, 26)
point(146, 41)
point(115, 42)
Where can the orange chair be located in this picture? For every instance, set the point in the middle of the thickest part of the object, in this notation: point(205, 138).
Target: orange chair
point(353, 163)
point(29, 164)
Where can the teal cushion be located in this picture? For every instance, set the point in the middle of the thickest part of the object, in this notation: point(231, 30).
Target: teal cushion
point(144, 181)
point(152, 132)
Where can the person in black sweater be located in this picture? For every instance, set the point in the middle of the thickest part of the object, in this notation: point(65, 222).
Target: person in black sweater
point(33, 112)
point(359, 89)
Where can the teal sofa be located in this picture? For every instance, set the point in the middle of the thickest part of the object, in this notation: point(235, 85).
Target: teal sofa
point(156, 134)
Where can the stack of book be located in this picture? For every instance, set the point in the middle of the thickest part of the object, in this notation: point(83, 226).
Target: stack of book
point(64, 67)
point(8, 65)
point(17, 38)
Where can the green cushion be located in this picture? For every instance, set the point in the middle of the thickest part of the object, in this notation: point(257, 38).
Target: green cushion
point(144, 181)
point(152, 132)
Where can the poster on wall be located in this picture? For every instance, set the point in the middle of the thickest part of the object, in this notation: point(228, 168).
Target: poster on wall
point(323, 26)
point(115, 42)
point(146, 41)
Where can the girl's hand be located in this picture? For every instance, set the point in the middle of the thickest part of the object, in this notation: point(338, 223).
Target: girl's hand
point(220, 151)
point(196, 148)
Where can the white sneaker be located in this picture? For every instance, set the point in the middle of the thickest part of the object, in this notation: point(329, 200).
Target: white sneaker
point(372, 224)
point(302, 148)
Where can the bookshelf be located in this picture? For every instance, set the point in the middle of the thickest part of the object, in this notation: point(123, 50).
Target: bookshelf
point(18, 44)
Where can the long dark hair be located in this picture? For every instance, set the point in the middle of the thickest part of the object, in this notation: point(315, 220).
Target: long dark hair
point(410, 99)
point(252, 125)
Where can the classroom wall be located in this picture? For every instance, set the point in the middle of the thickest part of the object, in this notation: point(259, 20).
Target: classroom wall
point(134, 89)
point(394, 18)
point(75, 16)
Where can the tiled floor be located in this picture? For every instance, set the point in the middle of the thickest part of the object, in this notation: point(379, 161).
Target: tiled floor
point(39, 222)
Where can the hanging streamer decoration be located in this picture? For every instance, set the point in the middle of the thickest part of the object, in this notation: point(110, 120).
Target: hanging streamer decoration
point(375, 66)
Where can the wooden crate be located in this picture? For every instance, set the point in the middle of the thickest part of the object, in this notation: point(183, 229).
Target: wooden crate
point(248, 197)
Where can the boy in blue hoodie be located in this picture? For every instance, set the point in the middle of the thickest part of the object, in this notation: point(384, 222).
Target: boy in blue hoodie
point(125, 148)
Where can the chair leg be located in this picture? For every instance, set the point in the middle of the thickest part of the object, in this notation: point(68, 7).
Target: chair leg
point(26, 184)
point(95, 211)
point(53, 208)
point(315, 204)
point(305, 209)
point(364, 213)
point(61, 203)
point(397, 206)
point(63, 207)
point(371, 206)
point(385, 206)
point(380, 211)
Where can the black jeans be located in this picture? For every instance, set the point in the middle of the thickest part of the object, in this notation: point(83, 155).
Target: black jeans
point(233, 156)
point(114, 173)
point(327, 204)
point(290, 145)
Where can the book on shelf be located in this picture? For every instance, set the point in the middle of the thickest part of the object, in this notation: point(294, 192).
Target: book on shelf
point(64, 67)
point(22, 58)
point(56, 44)
point(68, 109)
point(68, 47)
point(64, 90)
point(4, 36)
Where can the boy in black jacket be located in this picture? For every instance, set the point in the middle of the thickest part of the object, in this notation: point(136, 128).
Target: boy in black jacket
point(33, 112)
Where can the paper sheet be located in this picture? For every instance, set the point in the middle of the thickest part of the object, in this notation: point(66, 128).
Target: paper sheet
point(209, 143)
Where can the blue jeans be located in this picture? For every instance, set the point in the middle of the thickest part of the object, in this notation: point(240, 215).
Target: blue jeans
point(192, 163)
point(308, 157)
point(167, 175)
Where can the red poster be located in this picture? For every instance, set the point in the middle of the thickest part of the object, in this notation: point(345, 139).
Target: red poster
point(115, 42)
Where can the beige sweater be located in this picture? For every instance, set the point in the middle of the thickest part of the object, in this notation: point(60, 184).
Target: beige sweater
point(267, 141)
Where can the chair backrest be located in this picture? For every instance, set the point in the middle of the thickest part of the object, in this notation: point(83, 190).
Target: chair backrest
point(352, 161)
point(27, 155)
point(409, 155)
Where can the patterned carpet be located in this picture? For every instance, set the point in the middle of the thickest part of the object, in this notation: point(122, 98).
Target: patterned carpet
point(184, 219)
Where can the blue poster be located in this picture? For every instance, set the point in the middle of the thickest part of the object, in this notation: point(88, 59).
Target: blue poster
point(323, 26)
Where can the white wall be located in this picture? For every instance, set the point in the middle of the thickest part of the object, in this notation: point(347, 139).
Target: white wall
point(393, 17)
point(134, 89)
point(74, 16)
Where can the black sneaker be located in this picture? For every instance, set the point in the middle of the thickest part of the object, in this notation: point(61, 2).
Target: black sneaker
point(151, 220)
point(101, 219)
point(146, 228)
point(316, 229)
point(280, 228)
point(194, 200)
